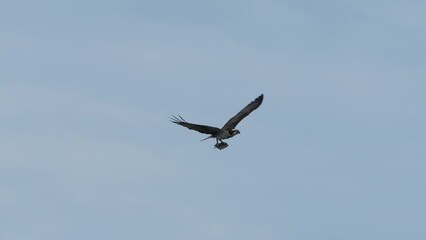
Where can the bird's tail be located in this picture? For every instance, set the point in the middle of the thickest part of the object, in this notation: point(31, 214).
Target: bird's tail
point(206, 138)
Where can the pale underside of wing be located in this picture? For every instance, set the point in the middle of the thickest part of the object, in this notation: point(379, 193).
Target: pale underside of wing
point(197, 127)
point(233, 122)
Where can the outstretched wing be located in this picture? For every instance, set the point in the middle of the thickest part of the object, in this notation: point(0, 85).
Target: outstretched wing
point(233, 122)
point(197, 127)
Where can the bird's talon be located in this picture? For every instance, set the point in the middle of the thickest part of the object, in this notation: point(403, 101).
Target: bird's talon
point(221, 145)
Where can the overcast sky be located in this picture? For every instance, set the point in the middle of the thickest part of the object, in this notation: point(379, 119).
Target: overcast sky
point(336, 151)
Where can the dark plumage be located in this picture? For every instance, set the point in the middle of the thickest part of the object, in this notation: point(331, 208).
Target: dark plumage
point(227, 131)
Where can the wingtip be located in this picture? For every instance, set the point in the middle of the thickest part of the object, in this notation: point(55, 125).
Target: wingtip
point(177, 120)
point(260, 98)
point(174, 119)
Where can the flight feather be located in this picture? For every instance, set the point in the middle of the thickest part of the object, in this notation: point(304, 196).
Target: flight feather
point(197, 127)
point(233, 122)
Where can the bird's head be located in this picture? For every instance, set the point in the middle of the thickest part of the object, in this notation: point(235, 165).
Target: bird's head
point(235, 132)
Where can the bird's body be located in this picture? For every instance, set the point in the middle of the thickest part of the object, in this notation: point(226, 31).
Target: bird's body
point(224, 134)
point(227, 131)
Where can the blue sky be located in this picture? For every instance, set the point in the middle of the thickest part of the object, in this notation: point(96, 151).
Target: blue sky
point(336, 151)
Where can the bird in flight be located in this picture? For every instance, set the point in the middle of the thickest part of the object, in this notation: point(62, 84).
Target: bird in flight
point(227, 131)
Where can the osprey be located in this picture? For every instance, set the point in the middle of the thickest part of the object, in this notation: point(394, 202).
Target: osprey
point(227, 131)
